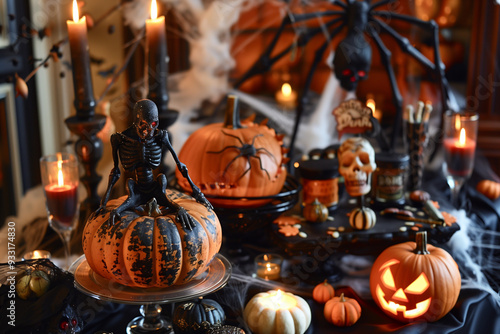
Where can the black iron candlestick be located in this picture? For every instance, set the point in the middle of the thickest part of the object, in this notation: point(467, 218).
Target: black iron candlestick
point(86, 124)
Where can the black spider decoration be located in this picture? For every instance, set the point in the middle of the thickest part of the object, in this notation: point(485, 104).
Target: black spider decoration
point(353, 54)
point(246, 151)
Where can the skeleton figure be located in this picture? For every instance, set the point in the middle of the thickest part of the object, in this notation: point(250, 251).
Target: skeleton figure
point(139, 149)
point(356, 163)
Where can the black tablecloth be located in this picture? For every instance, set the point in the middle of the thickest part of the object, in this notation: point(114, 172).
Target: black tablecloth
point(477, 311)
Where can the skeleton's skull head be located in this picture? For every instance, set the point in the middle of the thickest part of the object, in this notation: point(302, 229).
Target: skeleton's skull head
point(356, 163)
point(146, 118)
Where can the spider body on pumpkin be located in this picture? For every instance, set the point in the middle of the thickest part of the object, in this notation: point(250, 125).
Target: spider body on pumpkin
point(247, 151)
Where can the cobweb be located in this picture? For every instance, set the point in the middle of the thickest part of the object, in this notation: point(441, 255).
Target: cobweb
point(206, 25)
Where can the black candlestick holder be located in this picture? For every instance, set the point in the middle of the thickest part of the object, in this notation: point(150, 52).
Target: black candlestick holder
point(89, 150)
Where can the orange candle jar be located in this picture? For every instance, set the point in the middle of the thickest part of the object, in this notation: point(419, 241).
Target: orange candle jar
point(320, 180)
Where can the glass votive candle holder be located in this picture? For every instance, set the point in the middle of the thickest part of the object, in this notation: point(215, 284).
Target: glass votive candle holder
point(37, 254)
point(268, 266)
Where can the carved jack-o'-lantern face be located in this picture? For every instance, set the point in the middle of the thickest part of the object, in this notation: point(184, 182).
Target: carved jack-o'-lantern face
point(409, 299)
point(414, 281)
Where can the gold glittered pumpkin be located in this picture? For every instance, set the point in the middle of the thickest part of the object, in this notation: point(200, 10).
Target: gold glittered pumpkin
point(152, 250)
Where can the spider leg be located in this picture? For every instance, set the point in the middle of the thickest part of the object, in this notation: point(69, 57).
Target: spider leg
point(339, 3)
point(303, 98)
point(230, 163)
point(265, 62)
point(385, 56)
point(232, 136)
point(266, 151)
point(381, 3)
point(225, 148)
point(255, 137)
point(261, 167)
point(248, 169)
point(449, 101)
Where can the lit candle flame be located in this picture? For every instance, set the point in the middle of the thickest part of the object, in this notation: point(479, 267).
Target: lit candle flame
point(154, 10)
point(268, 267)
point(286, 89)
point(462, 139)
point(60, 177)
point(370, 103)
point(76, 17)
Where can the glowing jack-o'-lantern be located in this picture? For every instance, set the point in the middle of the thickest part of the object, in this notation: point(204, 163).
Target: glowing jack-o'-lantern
point(415, 281)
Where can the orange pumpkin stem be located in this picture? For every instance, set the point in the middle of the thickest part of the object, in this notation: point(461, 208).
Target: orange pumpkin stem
point(342, 299)
point(325, 282)
point(232, 116)
point(421, 240)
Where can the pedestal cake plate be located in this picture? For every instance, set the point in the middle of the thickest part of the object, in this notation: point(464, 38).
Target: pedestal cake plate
point(151, 320)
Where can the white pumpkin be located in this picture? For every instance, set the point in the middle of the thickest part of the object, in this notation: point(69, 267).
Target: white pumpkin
point(362, 218)
point(277, 312)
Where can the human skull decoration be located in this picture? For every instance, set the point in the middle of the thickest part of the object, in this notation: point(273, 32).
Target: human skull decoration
point(356, 164)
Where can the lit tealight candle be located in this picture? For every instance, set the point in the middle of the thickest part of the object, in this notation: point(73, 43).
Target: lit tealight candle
point(37, 254)
point(460, 154)
point(286, 97)
point(268, 266)
point(80, 62)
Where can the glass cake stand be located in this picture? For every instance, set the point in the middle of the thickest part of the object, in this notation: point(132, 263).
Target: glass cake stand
point(150, 321)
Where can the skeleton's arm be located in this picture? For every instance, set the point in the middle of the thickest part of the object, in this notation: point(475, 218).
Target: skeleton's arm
point(197, 194)
point(115, 173)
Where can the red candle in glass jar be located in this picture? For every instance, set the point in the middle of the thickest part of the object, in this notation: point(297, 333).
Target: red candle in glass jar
point(62, 202)
point(459, 154)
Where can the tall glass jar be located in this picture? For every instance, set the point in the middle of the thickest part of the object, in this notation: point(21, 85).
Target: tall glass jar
point(389, 179)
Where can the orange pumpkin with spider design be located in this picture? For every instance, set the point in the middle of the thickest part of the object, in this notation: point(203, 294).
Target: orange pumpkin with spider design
point(236, 159)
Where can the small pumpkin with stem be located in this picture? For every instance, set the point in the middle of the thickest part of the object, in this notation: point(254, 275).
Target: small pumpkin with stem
point(415, 281)
point(235, 159)
point(323, 292)
point(315, 212)
point(342, 311)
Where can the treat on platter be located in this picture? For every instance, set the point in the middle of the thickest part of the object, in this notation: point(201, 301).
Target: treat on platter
point(234, 162)
point(154, 237)
point(414, 281)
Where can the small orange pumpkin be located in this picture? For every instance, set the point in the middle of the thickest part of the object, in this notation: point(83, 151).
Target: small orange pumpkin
point(323, 292)
point(488, 188)
point(234, 159)
point(342, 311)
point(152, 250)
point(315, 212)
point(415, 281)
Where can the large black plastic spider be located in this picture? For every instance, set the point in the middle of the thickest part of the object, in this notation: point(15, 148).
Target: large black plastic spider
point(246, 151)
point(352, 58)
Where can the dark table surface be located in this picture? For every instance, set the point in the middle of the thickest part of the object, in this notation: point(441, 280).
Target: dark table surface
point(477, 310)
